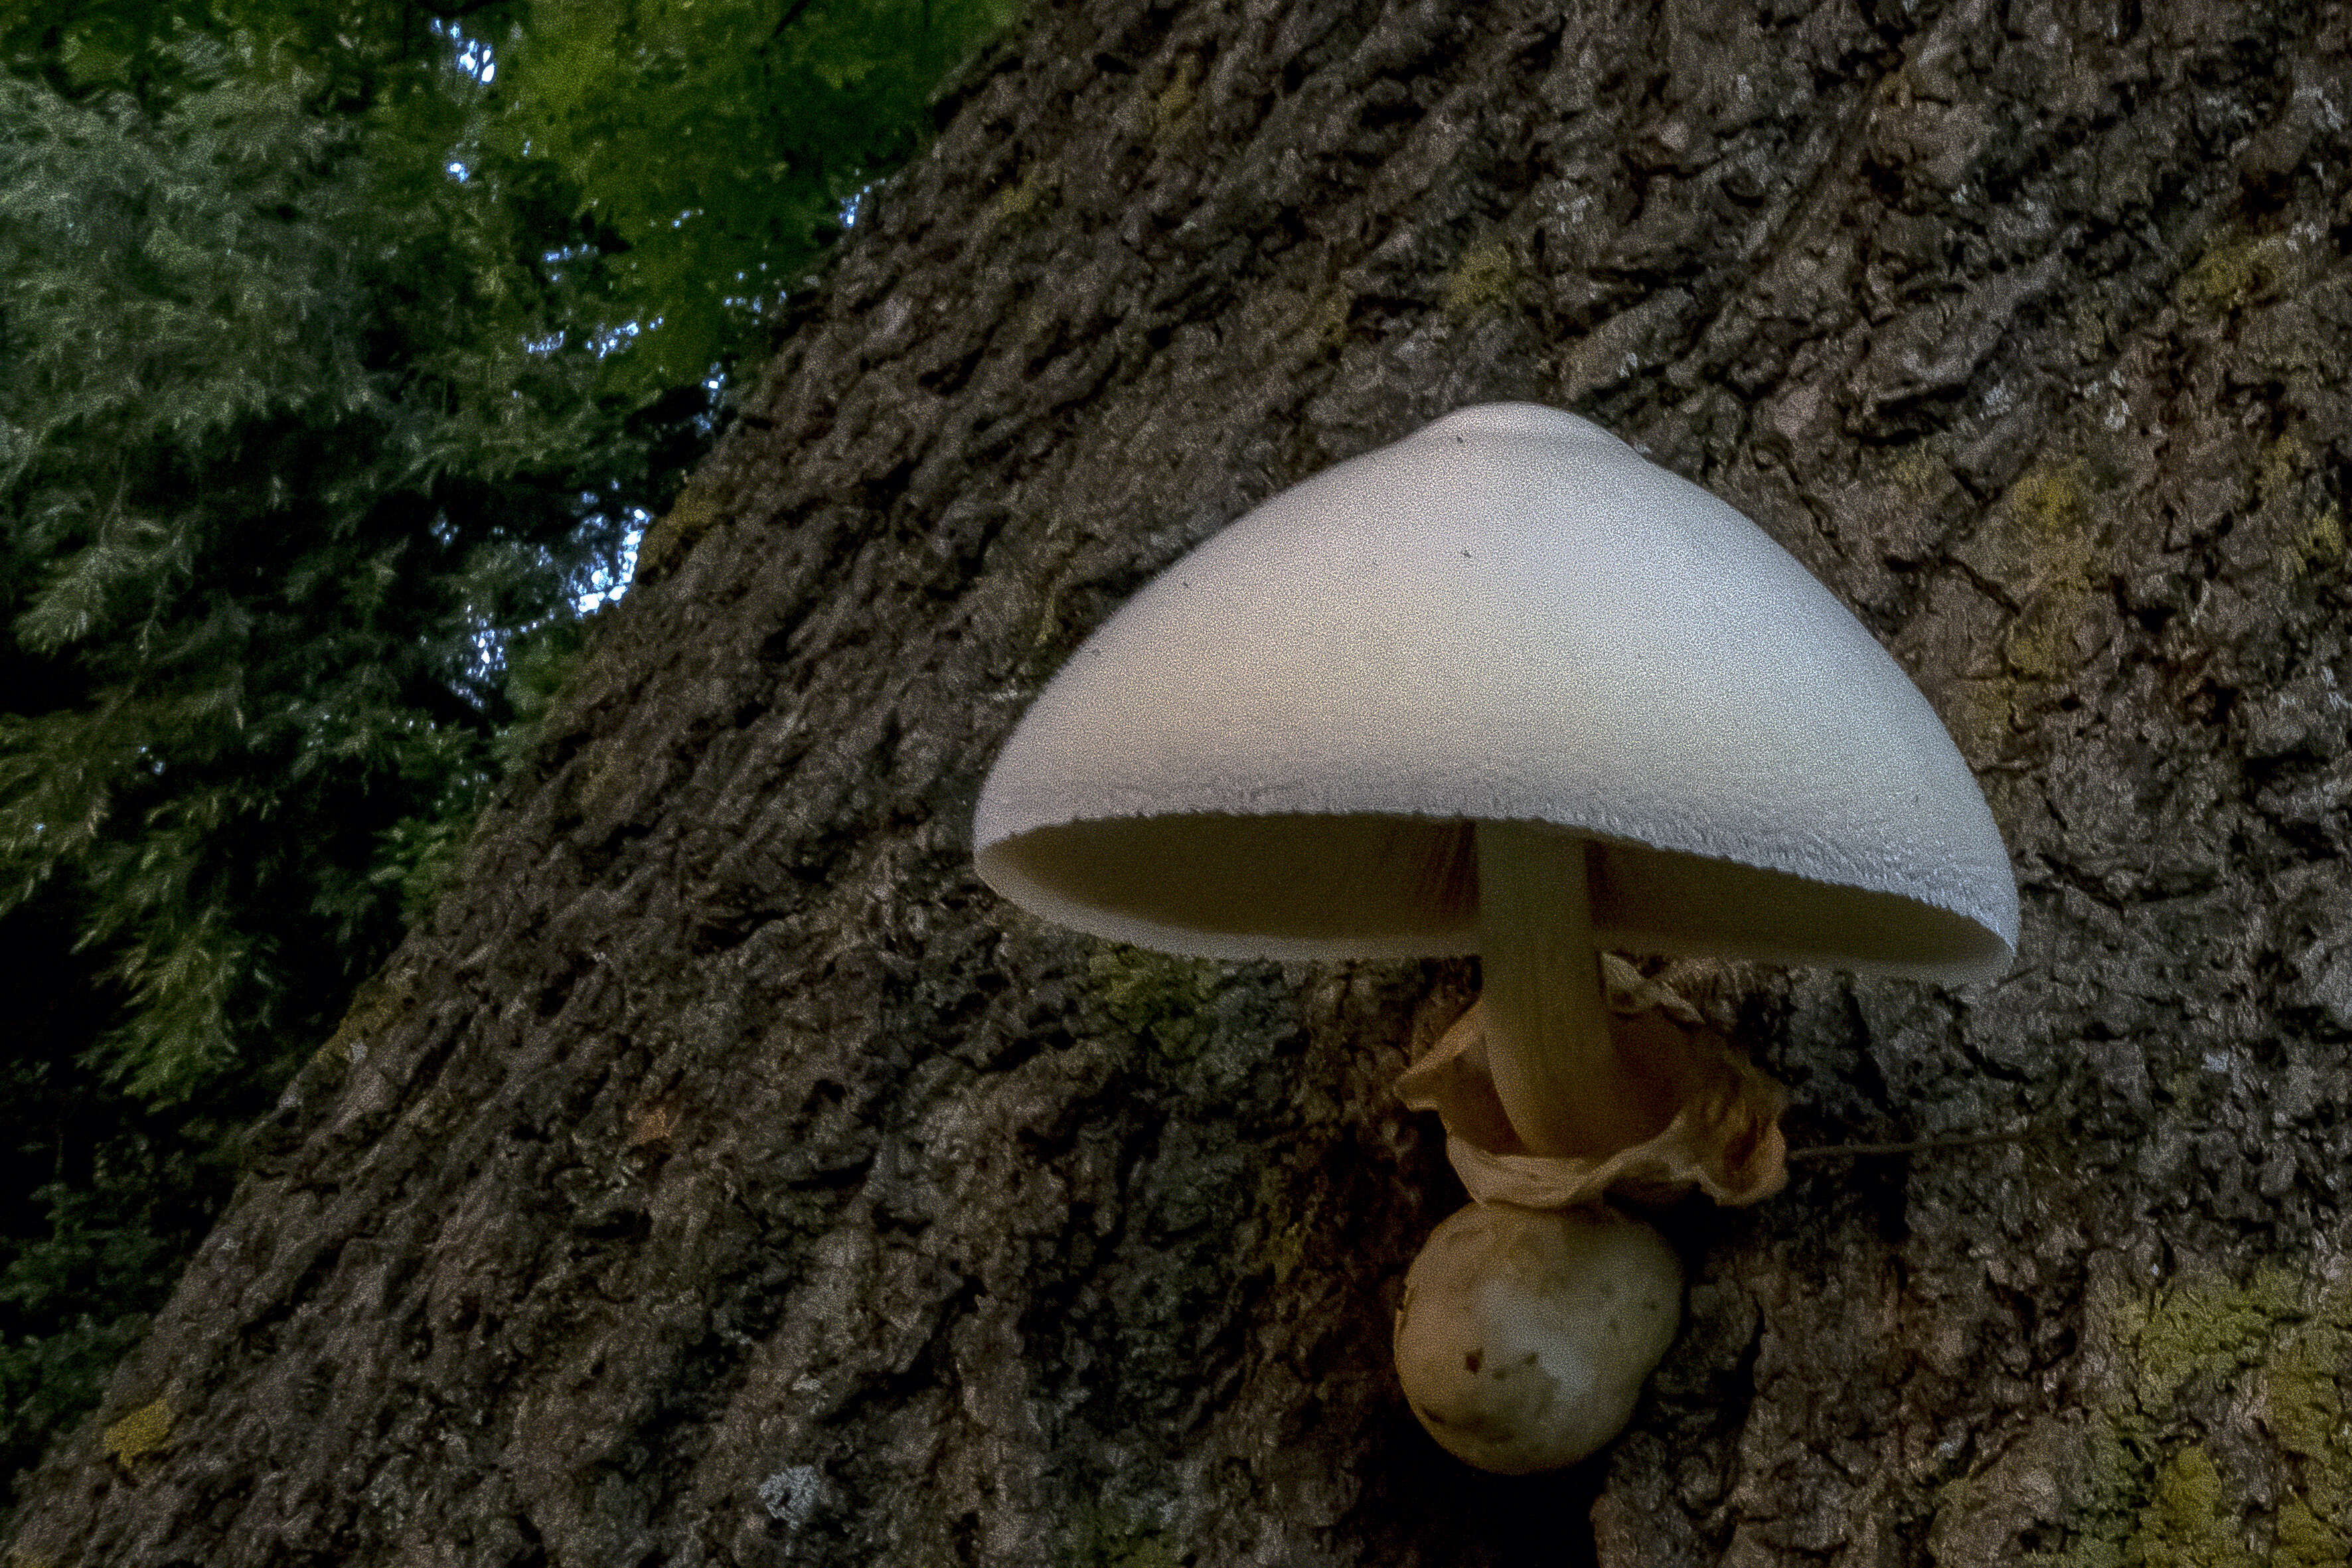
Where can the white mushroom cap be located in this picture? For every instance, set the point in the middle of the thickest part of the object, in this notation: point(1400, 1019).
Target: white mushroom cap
point(1277, 748)
point(1525, 1335)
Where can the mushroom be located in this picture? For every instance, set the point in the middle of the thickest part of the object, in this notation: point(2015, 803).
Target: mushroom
point(1526, 1335)
point(1505, 687)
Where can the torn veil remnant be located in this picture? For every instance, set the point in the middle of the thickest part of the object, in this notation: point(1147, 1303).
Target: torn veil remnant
point(1723, 1137)
point(1506, 686)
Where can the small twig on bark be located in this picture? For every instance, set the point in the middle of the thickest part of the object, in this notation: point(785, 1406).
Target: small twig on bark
point(1962, 1141)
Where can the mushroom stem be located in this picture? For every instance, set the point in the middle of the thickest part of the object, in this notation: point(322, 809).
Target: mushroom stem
point(1560, 1076)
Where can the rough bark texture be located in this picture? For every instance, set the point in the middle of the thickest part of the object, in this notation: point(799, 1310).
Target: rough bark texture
point(726, 1177)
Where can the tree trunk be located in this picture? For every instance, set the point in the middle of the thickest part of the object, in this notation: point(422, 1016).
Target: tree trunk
point(725, 1176)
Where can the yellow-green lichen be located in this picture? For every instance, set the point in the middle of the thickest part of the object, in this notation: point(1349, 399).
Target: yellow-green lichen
point(2050, 503)
point(2304, 1409)
point(1323, 328)
point(2200, 1326)
point(2223, 278)
point(2294, 506)
point(141, 1432)
point(666, 543)
point(2283, 462)
point(2240, 269)
point(2318, 546)
point(376, 1007)
point(1920, 470)
point(1483, 282)
point(2303, 1539)
point(2045, 641)
point(2189, 1521)
point(2149, 1489)
point(2047, 531)
point(1283, 1231)
point(1982, 715)
point(1026, 201)
point(1173, 105)
point(2303, 1400)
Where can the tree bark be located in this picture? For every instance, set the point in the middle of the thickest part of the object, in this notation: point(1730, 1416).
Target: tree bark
point(724, 1176)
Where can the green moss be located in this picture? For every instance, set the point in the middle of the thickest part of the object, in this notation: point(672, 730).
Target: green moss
point(1101, 1536)
point(1157, 998)
point(1485, 281)
point(2115, 1493)
point(1283, 1230)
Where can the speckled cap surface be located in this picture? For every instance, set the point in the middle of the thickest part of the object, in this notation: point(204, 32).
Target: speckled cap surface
point(1276, 749)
